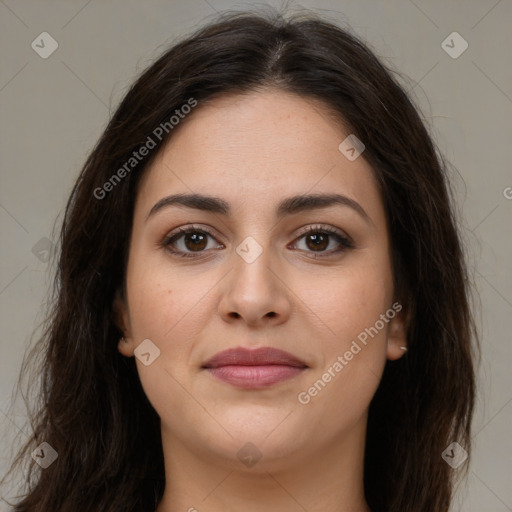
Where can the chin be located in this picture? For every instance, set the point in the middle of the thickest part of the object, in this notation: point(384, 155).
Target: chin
point(256, 452)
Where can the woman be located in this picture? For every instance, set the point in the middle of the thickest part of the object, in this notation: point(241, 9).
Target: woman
point(262, 299)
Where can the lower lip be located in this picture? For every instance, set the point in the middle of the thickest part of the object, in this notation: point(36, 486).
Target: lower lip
point(255, 377)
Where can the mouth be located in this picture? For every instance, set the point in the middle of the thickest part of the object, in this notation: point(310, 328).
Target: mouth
point(254, 369)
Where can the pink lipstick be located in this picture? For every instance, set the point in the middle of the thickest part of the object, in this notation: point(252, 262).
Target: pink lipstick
point(254, 369)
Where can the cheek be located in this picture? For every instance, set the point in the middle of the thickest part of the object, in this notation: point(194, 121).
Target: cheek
point(163, 300)
point(162, 309)
point(350, 305)
point(153, 308)
point(347, 302)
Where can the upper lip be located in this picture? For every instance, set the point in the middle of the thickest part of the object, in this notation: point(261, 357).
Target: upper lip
point(253, 357)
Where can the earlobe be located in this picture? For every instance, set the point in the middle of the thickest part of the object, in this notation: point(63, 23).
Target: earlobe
point(125, 347)
point(122, 321)
point(397, 338)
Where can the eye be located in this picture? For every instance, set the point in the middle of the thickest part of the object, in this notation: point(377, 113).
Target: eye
point(187, 241)
point(190, 239)
point(318, 238)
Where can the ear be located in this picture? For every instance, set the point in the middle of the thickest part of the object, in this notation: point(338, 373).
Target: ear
point(397, 336)
point(122, 320)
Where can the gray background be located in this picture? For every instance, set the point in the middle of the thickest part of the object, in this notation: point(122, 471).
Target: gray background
point(53, 110)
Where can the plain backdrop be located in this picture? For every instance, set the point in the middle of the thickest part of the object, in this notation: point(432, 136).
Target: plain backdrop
point(53, 109)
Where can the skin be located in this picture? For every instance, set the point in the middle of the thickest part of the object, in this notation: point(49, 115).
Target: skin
point(253, 151)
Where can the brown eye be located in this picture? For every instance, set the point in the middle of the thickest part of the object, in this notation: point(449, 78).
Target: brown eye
point(195, 241)
point(317, 239)
point(188, 241)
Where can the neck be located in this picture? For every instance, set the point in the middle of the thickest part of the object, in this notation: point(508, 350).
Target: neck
point(329, 479)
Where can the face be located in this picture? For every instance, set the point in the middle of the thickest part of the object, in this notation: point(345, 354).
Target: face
point(247, 274)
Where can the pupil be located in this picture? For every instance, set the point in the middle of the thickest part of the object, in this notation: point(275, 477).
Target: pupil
point(197, 240)
point(318, 241)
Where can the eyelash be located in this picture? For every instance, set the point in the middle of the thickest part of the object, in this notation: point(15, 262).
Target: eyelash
point(345, 242)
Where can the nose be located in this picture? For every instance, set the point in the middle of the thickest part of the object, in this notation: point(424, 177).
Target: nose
point(255, 292)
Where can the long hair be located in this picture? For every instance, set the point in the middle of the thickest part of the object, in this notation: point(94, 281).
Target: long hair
point(92, 409)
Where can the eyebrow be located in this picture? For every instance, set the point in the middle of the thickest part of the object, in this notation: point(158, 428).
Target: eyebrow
point(289, 206)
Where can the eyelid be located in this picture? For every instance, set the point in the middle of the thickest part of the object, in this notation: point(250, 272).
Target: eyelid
point(323, 228)
point(191, 228)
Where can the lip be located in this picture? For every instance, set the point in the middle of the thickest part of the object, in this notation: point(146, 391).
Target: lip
point(254, 369)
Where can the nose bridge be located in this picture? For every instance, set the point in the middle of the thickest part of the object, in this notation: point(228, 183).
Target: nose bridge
point(253, 289)
point(252, 263)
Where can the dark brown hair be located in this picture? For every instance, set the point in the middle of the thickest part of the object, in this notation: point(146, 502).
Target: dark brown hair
point(92, 408)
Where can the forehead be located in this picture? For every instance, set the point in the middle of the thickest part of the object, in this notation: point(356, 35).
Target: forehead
point(259, 147)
